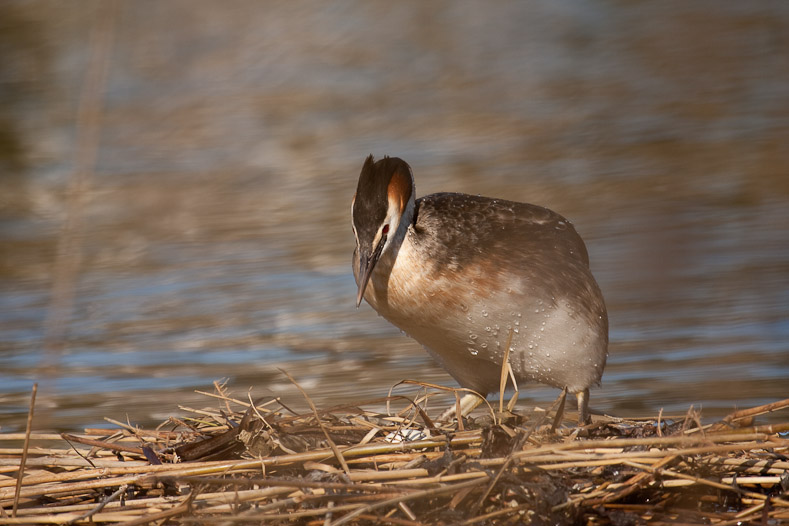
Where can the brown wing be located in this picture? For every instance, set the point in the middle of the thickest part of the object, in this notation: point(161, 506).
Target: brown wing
point(516, 233)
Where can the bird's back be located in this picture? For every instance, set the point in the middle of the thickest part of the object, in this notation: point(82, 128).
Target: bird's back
point(456, 230)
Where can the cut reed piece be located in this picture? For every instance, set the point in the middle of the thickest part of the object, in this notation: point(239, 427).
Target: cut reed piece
point(243, 463)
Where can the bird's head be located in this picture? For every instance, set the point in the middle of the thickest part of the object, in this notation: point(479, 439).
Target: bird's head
point(384, 195)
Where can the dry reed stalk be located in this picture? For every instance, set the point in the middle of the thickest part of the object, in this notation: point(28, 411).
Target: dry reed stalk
point(506, 372)
point(113, 446)
point(127, 506)
point(564, 456)
point(124, 436)
point(33, 436)
point(23, 461)
point(39, 451)
point(227, 399)
point(754, 466)
point(755, 411)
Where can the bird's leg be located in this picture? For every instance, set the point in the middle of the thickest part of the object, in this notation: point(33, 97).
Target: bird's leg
point(583, 407)
point(468, 403)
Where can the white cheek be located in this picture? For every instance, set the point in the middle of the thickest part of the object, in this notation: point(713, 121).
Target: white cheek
point(393, 215)
point(393, 212)
point(353, 225)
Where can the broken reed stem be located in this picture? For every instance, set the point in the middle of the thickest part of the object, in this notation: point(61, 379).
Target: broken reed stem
point(25, 449)
point(505, 370)
point(557, 419)
point(112, 446)
point(756, 411)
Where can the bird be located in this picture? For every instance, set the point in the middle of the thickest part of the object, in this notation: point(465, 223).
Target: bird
point(464, 274)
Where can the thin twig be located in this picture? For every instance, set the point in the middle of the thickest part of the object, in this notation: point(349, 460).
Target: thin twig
point(120, 491)
point(25, 449)
point(332, 445)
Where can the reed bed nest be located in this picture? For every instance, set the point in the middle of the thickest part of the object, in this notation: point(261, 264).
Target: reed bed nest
point(247, 462)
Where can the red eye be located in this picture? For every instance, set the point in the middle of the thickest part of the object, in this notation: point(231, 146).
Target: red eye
point(385, 229)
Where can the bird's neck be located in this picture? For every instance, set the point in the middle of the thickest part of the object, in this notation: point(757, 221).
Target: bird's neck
point(406, 220)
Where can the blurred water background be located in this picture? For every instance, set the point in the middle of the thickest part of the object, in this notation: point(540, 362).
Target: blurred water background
point(209, 236)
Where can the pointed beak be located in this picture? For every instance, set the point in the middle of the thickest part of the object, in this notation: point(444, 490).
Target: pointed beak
point(366, 266)
point(365, 271)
